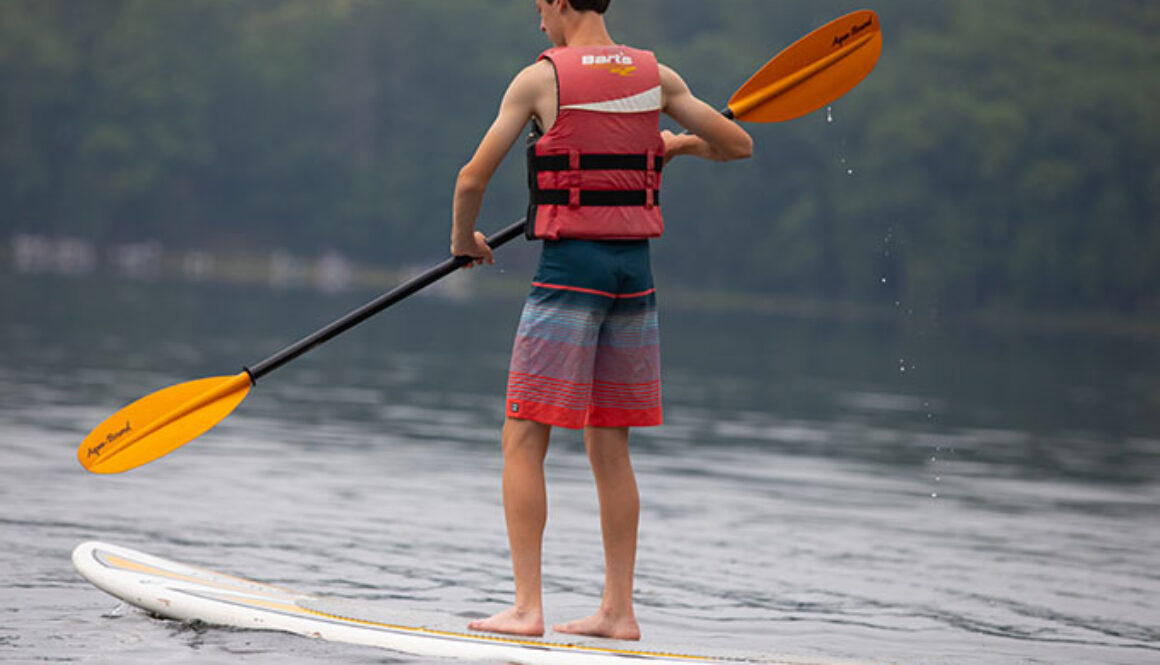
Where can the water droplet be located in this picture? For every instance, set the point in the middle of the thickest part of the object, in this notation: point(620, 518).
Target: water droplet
point(829, 114)
point(849, 171)
point(934, 495)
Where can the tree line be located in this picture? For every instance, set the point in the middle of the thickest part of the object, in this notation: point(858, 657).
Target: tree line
point(1002, 155)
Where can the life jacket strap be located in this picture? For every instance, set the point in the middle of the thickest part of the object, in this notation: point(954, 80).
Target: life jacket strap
point(596, 197)
point(598, 162)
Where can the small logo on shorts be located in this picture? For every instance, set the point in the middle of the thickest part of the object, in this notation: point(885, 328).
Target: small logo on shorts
point(515, 407)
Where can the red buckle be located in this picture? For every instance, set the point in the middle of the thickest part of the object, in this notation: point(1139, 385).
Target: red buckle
point(573, 180)
point(651, 181)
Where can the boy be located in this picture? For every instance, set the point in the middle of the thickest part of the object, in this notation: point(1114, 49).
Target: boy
point(586, 353)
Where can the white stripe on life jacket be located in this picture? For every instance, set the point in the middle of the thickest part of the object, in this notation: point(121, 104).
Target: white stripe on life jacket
point(649, 100)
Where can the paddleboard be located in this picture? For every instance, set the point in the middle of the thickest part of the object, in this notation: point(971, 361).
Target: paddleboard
point(191, 593)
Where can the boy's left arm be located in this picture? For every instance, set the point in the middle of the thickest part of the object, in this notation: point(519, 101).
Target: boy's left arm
point(514, 112)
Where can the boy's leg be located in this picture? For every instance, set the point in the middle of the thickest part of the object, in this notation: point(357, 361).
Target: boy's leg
point(525, 444)
point(619, 517)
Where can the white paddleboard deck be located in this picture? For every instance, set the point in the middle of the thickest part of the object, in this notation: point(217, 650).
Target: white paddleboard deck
point(191, 593)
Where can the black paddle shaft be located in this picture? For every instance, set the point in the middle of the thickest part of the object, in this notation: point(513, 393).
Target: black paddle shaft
point(407, 288)
point(384, 301)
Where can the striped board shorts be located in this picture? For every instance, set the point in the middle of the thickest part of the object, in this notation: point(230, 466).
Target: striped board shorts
point(587, 352)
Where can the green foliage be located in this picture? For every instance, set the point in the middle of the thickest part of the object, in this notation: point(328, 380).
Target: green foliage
point(1003, 154)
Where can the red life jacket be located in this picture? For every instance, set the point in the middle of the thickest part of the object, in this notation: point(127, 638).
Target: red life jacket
point(596, 174)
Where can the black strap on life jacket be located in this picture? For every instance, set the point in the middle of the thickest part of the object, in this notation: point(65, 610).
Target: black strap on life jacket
point(598, 197)
point(598, 162)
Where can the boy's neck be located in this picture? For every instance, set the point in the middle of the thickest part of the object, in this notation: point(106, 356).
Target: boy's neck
point(587, 29)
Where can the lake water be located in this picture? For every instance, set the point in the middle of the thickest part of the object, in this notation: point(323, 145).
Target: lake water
point(896, 492)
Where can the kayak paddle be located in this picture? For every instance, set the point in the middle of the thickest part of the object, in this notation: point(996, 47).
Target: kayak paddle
point(814, 71)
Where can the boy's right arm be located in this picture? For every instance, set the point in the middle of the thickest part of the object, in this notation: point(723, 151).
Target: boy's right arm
point(712, 135)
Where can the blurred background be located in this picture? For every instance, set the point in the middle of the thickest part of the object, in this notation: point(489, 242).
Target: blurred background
point(1002, 158)
point(911, 349)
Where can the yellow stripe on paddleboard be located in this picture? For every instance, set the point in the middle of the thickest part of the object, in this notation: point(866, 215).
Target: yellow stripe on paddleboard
point(500, 639)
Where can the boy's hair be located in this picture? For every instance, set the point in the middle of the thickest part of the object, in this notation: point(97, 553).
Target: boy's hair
point(598, 6)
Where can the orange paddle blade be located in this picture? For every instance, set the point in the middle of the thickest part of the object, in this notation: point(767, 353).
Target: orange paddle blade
point(161, 422)
point(813, 71)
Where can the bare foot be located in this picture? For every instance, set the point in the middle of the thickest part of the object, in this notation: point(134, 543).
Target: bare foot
point(602, 624)
point(513, 622)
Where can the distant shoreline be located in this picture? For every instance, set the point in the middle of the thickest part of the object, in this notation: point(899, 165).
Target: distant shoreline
point(332, 272)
